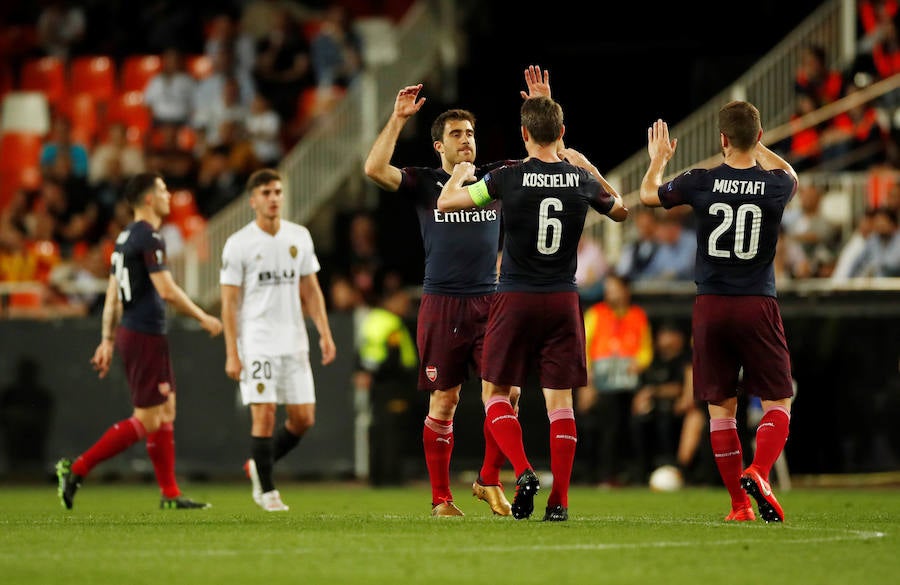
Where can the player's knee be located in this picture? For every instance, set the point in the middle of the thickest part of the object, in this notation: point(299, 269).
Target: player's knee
point(299, 424)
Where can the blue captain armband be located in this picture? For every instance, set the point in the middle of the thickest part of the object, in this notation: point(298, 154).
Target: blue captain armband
point(479, 193)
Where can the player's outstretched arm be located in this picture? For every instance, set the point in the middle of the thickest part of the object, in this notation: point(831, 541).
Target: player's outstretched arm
point(618, 212)
point(378, 167)
point(660, 148)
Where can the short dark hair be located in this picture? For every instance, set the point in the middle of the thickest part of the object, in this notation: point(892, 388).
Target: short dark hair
point(262, 177)
point(543, 118)
point(437, 127)
point(137, 186)
point(739, 122)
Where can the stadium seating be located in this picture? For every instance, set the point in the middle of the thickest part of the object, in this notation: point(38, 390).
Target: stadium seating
point(137, 70)
point(47, 75)
point(95, 75)
point(19, 163)
point(25, 112)
point(84, 118)
point(182, 206)
point(129, 110)
point(200, 66)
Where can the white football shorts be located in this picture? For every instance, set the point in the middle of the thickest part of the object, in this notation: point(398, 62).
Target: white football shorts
point(283, 379)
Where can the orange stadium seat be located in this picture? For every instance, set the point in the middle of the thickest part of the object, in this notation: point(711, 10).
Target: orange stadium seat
point(137, 71)
point(182, 206)
point(19, 150)
point(200, 66)
point(47, 75)
point(93, 74)
point(129, 110)
point(84, 118)
point(20, 155)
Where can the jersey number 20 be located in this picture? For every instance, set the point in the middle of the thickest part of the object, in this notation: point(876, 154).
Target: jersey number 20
point(746, 221)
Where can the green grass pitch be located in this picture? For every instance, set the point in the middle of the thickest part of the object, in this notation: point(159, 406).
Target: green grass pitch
point(346, 533)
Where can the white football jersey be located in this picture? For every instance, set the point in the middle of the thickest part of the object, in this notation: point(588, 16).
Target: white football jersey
point(268, 269)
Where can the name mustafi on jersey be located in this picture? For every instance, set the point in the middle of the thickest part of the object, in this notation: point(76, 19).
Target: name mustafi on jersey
point(465, 216)
point(741, 187)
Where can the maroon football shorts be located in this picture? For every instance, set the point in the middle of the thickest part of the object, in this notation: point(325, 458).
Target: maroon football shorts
point(450, 339)
point(148, 367)
point(734, 331)
point(544, 331)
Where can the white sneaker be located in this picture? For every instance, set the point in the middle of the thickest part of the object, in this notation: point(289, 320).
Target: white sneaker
point(271, 502)
point(250, 470)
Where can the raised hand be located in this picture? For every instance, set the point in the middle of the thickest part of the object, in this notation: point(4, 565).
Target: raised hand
point(538, 83)
point(406, 103)
point(658, 143)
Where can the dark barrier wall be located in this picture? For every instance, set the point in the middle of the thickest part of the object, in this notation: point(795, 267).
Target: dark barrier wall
point(212, 428)
point(846, 356)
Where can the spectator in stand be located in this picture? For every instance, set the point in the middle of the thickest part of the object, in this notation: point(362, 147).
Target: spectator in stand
point(619, 345)
point(69, 198)
point(803, 146)
point(258, 17)
point(107, 192)
point(816, 79)
point(336, 49)
point(881, 255)
point(60, 142)
point(225, 71)
point(674, 257)
point(854, 140)
point(61, 27)
point(264, 131)
point(216, 115)
point(167, 157)
point(591, 271)
point(218, 182)
point(115, 148)
point(226, 35)
point(170, 93)
point(660, 405)
point(283, 69)
point(637, 253)
point(853, 247)
point(804, 222)
point(790, 262)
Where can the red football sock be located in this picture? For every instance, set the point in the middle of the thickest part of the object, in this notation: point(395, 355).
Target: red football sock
point(505, 428)
point(161, 449)
point(563, 438)
point(116, 439)
point(726, 447)
point(437, 437)
point(493, 458)
point(771, 436)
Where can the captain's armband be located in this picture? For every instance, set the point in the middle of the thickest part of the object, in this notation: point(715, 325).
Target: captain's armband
point(479, 193)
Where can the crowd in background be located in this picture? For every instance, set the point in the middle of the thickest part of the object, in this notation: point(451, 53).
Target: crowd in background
point(204, 93)
point(236, 84)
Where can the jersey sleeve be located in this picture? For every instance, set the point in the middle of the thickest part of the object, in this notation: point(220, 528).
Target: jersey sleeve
point(310, 262)
point(232, 272)
point(677, 191)
point(153, 250)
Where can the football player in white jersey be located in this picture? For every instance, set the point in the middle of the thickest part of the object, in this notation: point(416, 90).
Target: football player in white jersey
point(264, 265)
